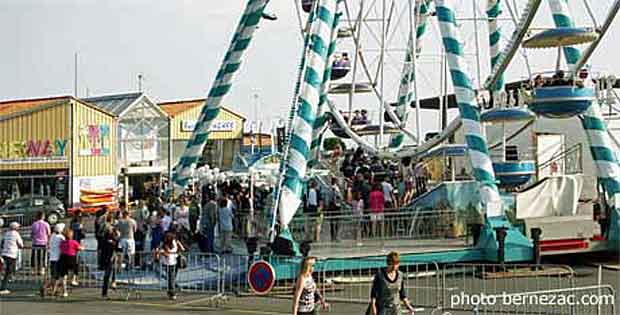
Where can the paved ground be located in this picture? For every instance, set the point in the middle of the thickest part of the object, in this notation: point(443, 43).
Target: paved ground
point(86, 301)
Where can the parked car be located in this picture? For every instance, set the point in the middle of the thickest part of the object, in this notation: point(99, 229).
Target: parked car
point(24, 209)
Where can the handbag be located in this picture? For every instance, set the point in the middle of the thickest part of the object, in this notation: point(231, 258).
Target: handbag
point(182, 261)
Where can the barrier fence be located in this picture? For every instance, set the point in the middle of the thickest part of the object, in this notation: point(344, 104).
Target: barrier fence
point(345, 283)
point(389, 225)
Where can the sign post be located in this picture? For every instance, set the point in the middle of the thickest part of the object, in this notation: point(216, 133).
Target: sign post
point(261, 277)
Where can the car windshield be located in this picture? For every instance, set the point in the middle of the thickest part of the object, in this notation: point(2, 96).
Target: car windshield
point(23, 203)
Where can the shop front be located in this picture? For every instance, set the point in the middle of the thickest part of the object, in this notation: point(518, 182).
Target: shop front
point(143, 134)
point(49, 146)
point(224, 139)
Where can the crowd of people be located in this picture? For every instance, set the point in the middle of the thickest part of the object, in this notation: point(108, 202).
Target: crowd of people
point(152, 233)
point(369, 188)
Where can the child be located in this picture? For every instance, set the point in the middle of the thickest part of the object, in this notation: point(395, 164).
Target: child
point(68, 259)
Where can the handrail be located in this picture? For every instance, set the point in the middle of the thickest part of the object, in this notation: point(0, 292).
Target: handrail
point(513, 45)
point(562, 155)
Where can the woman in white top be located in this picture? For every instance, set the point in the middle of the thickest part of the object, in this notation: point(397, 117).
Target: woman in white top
point(53, 248)
point(306, 294)
point(169, 254)
point(182, 215)
point(11, 244)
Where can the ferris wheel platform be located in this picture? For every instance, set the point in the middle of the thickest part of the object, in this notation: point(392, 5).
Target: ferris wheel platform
point(348, 256)
point(352, 249)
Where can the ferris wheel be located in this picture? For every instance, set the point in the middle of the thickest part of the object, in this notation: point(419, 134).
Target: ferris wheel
point(365, 54)
point(375, 73)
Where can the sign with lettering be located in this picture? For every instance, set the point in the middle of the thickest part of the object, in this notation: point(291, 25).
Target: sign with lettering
point(94, 140)
point(33, 151)
point(216, 125)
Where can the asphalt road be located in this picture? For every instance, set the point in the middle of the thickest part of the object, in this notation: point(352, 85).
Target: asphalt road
point(422, 290)
point(86, 301)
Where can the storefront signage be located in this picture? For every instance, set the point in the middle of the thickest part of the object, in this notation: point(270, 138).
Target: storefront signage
point(216, 125)
point(33, 151)
point(94, 140)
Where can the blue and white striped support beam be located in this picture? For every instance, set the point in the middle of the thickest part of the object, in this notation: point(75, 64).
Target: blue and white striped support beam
point(562, 18)
point(223, 82)
point(300, 72)
point(608, 170)
point(298, 151)
point(422, 22)
point(320, 124)
point(406, 92)
point(469, 111)
point(495, 35)
point(601, 148)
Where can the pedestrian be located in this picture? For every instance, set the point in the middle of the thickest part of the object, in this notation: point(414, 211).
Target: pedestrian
point(69, 249)
point(40, 233)
point(306, 294)
point(77, 226)
point(377, 207)
point(388, 289)
point(54, 256)
point(194, 214)
point(335, 207)
point(127, 227)
point(357, 207)
point(182, 216)
point(390, 211)
point(388, 194)
point(421, 174)
point(157, 231)
point(11, 244)
point(312, 226)
point(169, 254)
point(100, 218)
point(208, 221)
point(225, 220)
point(109, 246)
point(166, 221)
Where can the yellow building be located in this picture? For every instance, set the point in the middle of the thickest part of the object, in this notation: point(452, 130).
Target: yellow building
point(224, 139)
point(56, 146)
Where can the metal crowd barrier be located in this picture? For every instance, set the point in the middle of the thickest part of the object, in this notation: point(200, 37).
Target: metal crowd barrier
point(422, 281)
point(506, 278)
point(203, 274)
point(392, 224)
point(345, 283)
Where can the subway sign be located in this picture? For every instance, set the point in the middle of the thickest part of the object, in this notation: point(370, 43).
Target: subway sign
point(33, 151)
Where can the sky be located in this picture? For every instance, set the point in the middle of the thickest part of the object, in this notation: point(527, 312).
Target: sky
point(178, 46)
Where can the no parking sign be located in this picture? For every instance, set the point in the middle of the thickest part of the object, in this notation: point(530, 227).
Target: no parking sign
point(261, 277)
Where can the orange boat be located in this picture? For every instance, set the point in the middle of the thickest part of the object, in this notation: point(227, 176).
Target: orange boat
point(106, 191)
point(96, 199)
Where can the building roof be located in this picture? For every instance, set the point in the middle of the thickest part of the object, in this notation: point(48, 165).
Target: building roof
point(18, 106)
point(174, 108)
point(23, 106)
point(116, 103)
